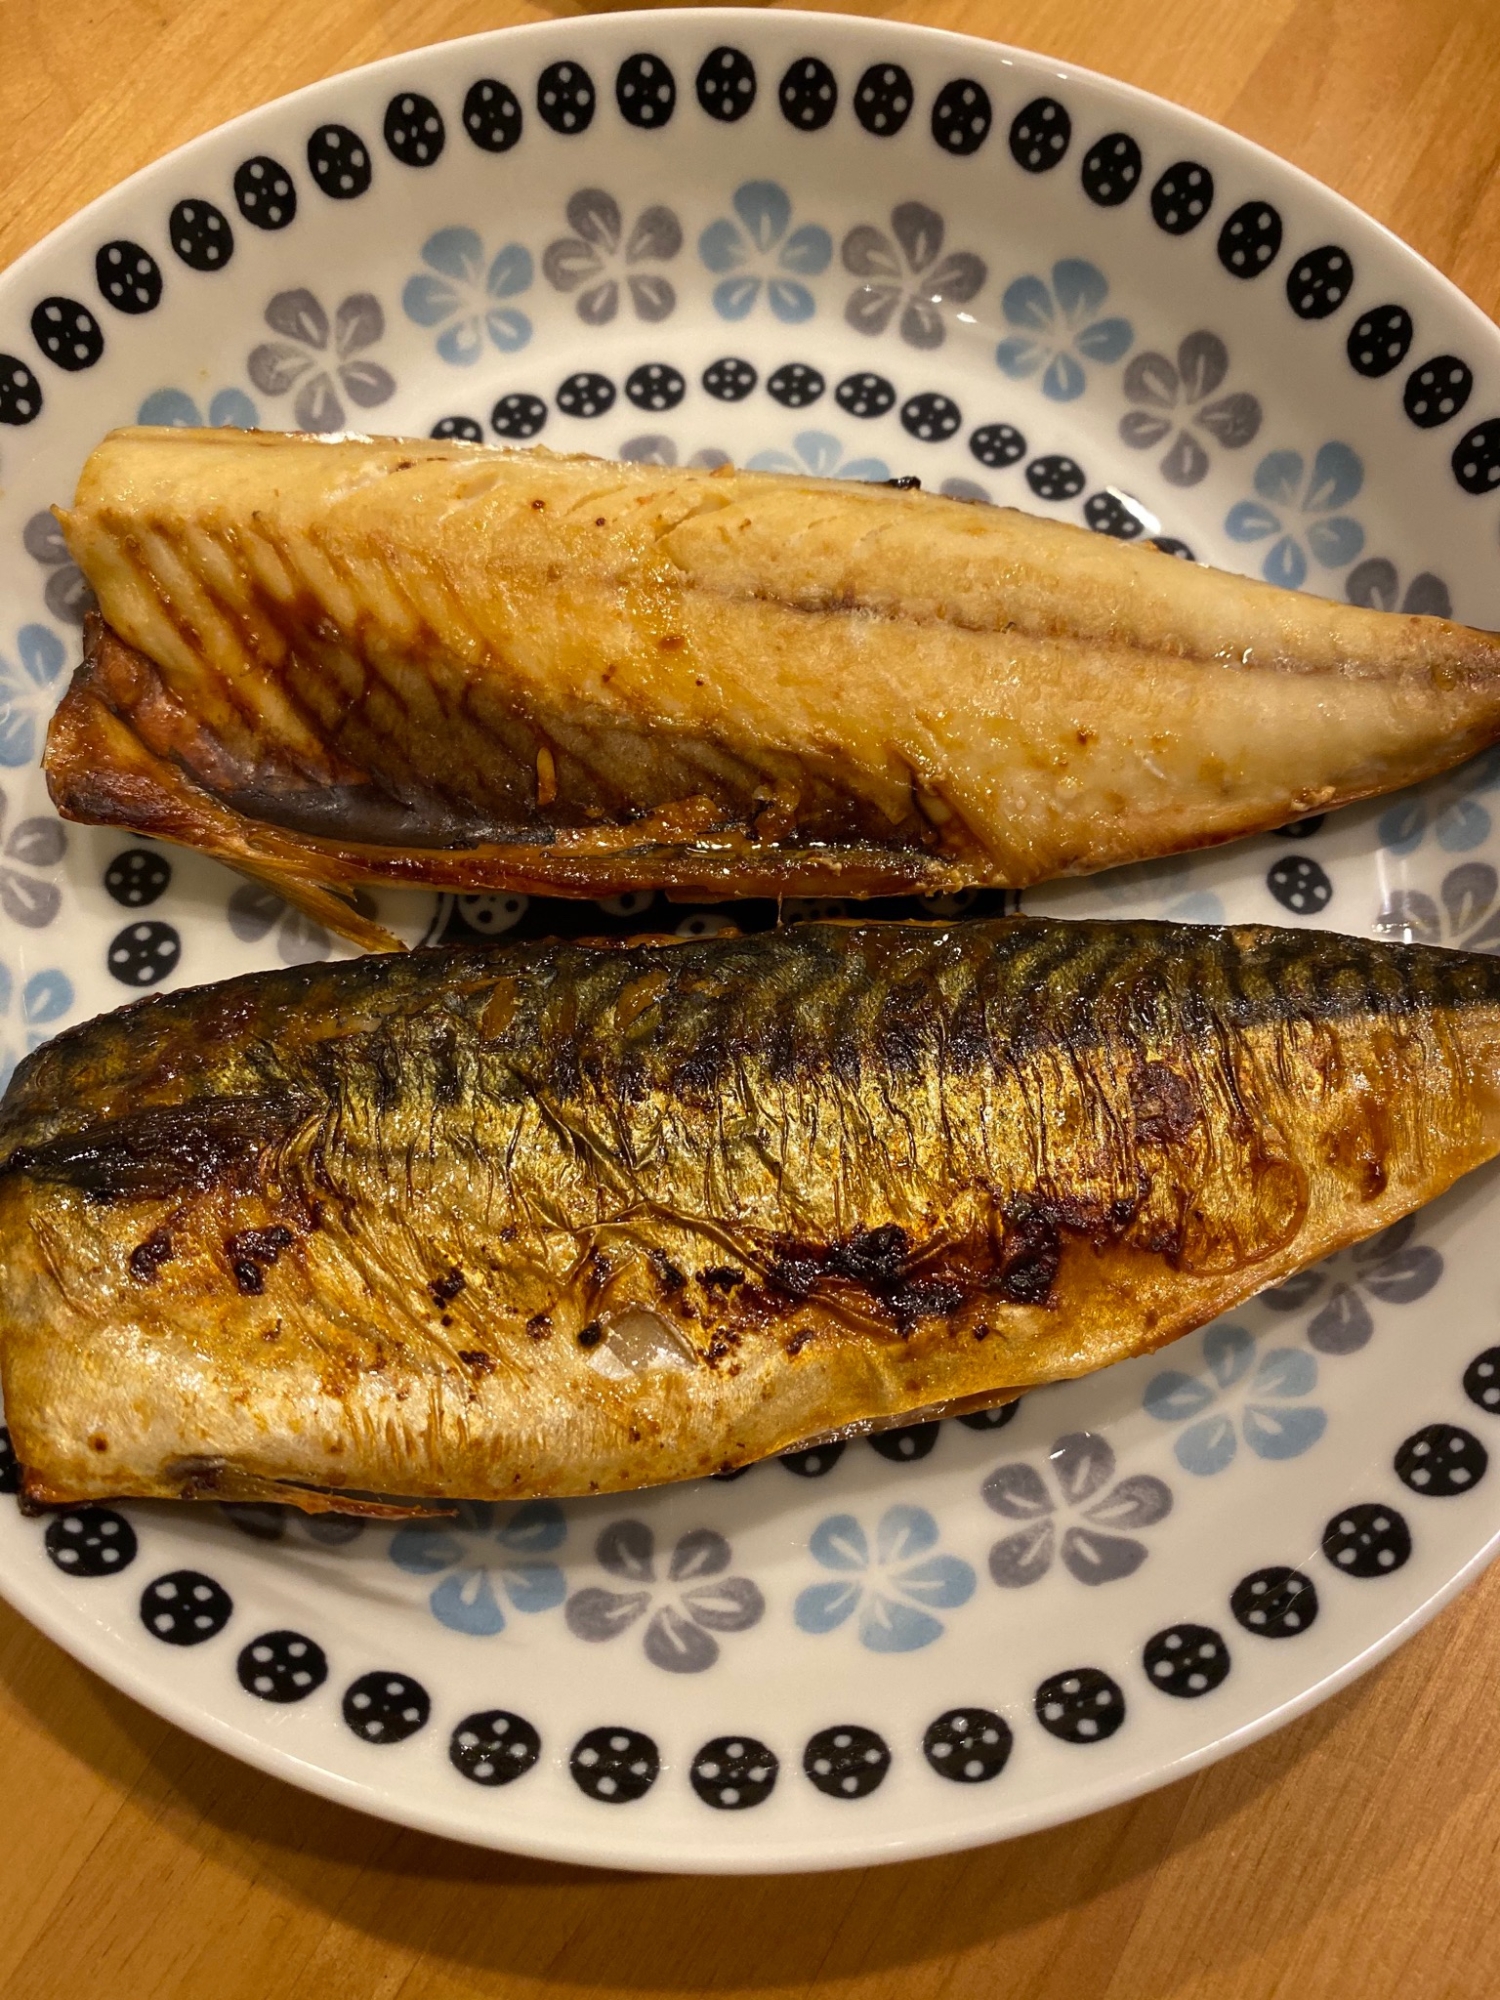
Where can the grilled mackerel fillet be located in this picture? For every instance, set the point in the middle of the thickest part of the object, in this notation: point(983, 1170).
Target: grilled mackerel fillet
point(521, 1220)
point(335, 662)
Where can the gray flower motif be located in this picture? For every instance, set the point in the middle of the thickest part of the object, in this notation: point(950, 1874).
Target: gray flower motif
point(594, 259)
point(911, 273)
point(655, 448)
point(35, 845)
point(1389, 1268)
point(255, 910)
point(297, 361)
point(68, 596)
point(1468, 916)
point(1376, 583)
point(1182, 396)
point(1082, 1465)
point(697, 1600)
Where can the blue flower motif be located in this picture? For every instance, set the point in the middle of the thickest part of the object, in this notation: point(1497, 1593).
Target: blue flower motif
point(457, 286)
point(1451, 810)
point(1059, 322)
point(1273, 1420)
point(819, 453)
point(475, 1550)
point(231, 408)
point(895, 1590)
point(1287, 490)
point(44, 999)
point(758, 250)
point(26, 698)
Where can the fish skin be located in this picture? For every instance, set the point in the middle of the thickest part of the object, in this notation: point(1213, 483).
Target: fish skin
point(521, 1220)
point(335, 662)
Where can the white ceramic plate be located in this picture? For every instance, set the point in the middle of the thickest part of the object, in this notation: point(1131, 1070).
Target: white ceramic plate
point(848, 246)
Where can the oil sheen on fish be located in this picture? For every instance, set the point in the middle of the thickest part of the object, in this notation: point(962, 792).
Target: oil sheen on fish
point(524, 1220)
point(335, 662)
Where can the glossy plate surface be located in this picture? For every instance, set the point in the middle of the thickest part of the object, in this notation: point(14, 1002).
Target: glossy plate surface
point(855, 248)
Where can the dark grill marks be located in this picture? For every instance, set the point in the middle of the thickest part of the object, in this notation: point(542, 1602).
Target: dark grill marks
point(251, 1253)
point(147, 1258)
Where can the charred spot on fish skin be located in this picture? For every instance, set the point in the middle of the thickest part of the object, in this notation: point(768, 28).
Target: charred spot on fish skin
point(590, 1335)
point(668, 1276)
point(249, 1277)
point(259, 1246)
point(446, 1290)
point(539, 1327)
point(721, 1277)
point(1165, 1107)
point(147, 1258)
point(161, 1151)
point(1030, 1253)
point(478, 1360)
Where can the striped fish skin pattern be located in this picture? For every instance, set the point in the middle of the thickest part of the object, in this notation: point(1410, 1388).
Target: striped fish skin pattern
point(363, 661)
point(553, 1219)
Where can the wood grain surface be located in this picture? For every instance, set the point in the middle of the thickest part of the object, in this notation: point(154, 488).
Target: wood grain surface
point(1353, 1855)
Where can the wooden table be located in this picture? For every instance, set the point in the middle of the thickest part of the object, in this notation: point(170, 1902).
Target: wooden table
point(1354, 1855)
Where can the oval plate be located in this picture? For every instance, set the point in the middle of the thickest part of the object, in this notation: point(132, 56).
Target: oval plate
point(849, 247)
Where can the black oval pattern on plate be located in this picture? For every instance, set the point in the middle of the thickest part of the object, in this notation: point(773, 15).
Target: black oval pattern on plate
point(1441, 1460)
point(1170, 545)
point(1437, 391)
point(414, 130)
point(646, 92)
point(494, 1747)
point(1250, 239)
point(518, 416)
point(265, 193)
point(385, 1707)
point(1319, 282)
point(614, 1766)
point(282, 1667)
point(586, 395)
point(847, 1762)
point(468, 429)
point(730, 379)
point(1186, 1660)
point(931, 417)
point(794, 385)
point(492, 115)
point(201, 235)
point(1300, 884)
point(1304, 829)
point(1082, 1705)
point(1039, 135)
point(67, 333)
point(20, 392)
point(185, 1608)
point(1482, 1380)
point(961, 116)
point(1107, 514)
point(332, 1531)
point(144, 954)
point(883, 98)
point(565, 98)
point(905, 1447)
point(1112, 169)
point(90, 1541)
point(808, 94)
point(815, 1460)
point(128, 277)
point(1367, 1540)
point(993, 1419)
point(137, 877)
point(655, 385)
point(865, 395)
point(734, 1773)
point(339, 161)
point(1276, 1603)
point(1476, 458)
point(1182, 197)
point(10, 1465)
point(997, 445)
point(1379, 340)
point(1055, 477)
point(968, 1745)
point(726, 84)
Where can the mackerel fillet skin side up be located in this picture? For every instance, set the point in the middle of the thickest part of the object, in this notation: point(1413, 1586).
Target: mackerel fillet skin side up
point(524, 1220)
point(343, 661)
